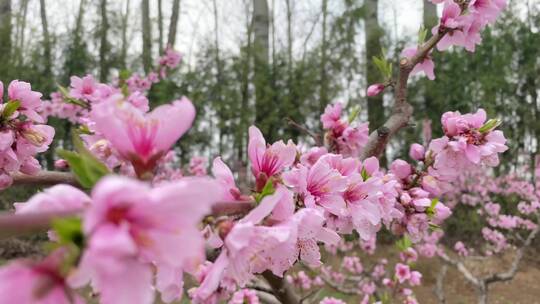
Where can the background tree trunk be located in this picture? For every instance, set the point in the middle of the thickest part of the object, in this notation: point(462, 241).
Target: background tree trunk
point(5, 38)
point(104, 46)
point(173, 23)
point(160, 25)
point(265, 113)
point(146, 36)
point(373, 35)
point(123, 52)
point(323, 88)
point(20, 39)
point(47, 54)
point(430, 15)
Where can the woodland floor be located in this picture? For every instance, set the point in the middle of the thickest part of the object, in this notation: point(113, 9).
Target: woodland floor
point(524, 289)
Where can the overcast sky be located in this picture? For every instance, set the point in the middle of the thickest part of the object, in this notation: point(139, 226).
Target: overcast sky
point(197, 19)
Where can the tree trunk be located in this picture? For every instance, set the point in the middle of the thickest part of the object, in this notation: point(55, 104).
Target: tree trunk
point(104, 47)
point(174, 23)
point(430, 15)
point(46, 43)
point(323, 89)
point(160, 25)
point(123, 53)
point(146, 36)
point(218, 99)
point(241, 137)
point(78, 22)
point(20, 40)
point(289, 37)
point(373, 35)
point(265, 113)
point(5, 38)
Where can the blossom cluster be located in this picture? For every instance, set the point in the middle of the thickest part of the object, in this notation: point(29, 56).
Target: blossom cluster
point(23, 132)
point(76, 102)
point(460, 25)
point(140, 230)
point(341, 137)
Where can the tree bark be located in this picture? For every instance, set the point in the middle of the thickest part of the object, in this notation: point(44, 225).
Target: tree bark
point(373, 35)
point(160, 25)
point(430, 15)
point(103, 47)
point(123, 52)
point(5, 38)
point(217, 97)
point(146, 36)
point(173, 23)
point(78, 22)
point(265, 113)
point(282, 290)
point(19, 42)
point(323, 87)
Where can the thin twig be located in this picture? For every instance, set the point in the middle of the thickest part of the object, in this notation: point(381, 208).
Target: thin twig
point(45, 178)
point(402, 110)
point(316, 137)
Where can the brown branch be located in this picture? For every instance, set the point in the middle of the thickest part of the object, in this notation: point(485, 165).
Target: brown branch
point(45, 178)
point(511, 273)
point(316, 137)
point(402, 110)
point(23, 224)
point(482, 284)
point(461, 268)
point(283, 291)
point(439, 284)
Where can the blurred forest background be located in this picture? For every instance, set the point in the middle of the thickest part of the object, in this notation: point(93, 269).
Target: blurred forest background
point(265, 61)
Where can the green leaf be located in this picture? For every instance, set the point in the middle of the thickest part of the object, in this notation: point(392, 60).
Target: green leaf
point(490, 125)
point(10, 108)
point(124, 74)
point(434, 227)
point(422, 33)
point(69, 230)
point(268, 189)
point(430, 211)
point(365, 174)
point(354, 113)
point(69, 99)
point(85, 166)
point(404, 243)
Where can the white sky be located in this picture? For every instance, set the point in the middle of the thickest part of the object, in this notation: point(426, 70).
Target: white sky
point(197, 20)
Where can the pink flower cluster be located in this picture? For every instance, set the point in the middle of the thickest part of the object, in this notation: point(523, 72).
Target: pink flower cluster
point(23, 133)
point(342, 137)
point(465, 21)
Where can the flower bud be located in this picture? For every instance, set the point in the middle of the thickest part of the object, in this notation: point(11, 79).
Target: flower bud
point(224, 227)
point(417, 152)
point(375, 89)
point(61, 164)
point(401, 168)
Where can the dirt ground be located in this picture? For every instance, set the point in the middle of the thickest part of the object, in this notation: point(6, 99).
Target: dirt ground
point(523, 289)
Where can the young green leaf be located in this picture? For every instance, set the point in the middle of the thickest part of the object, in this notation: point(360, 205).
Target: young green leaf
point(10, 108)
point(268, 189)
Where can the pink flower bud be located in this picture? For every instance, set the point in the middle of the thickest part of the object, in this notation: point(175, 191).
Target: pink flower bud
point(401, 168)
point(375, 89)
point(371, 165)
point(441, 212)
point(61, 164)
point(417, 152)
